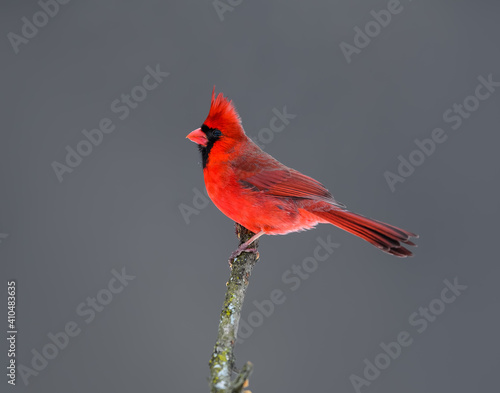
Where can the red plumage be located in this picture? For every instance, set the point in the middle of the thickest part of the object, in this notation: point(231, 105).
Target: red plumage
point(265, 196)
point(222, 113)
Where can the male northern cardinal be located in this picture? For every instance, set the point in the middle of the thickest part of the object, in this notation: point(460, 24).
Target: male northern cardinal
point(259, 192)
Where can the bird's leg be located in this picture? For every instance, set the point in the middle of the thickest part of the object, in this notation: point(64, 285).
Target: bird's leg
point(244, 246)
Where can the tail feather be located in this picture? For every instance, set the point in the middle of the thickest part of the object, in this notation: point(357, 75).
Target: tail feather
point(386, 237)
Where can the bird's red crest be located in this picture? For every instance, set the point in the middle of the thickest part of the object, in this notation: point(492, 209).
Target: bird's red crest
point(222, 114)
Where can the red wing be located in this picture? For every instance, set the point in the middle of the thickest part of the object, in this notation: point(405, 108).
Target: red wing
point(288, 183)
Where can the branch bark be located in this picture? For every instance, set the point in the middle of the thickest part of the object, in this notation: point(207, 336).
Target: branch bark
point(222, 362)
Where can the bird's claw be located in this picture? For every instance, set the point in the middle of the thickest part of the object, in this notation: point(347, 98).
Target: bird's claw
point(239, 250)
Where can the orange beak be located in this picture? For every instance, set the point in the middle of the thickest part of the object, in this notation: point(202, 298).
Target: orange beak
point(198, 136)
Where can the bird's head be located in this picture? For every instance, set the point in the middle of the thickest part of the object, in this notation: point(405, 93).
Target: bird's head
point(222, 127)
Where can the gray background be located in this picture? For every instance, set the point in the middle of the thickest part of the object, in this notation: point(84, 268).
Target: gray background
point(120, 207)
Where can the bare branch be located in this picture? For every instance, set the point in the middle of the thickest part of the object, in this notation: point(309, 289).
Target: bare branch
point(222, 363)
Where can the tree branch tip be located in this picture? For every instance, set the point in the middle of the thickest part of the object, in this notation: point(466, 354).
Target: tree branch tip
point(241, 380)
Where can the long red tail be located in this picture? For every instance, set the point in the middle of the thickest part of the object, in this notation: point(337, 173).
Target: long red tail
point(384, 236)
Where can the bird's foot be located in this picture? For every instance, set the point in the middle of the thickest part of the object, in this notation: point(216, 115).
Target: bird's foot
point(239, 250)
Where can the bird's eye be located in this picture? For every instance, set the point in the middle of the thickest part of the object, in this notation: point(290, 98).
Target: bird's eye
point(217, 133)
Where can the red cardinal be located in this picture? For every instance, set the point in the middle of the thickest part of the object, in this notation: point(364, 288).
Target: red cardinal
point(259, 192)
